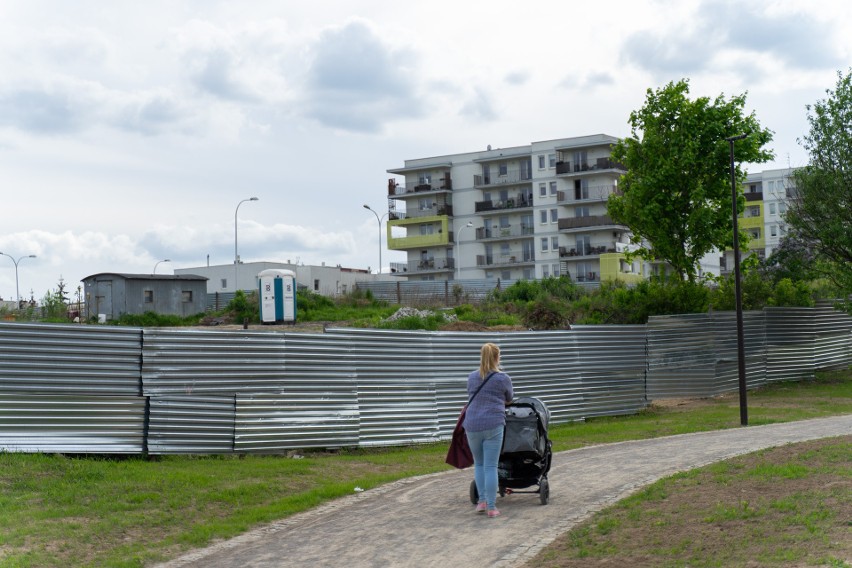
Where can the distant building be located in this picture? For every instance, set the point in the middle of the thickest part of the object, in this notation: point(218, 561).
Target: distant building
point(109, 295)
point(767, 194)
point(524, 212)
point(326, 280)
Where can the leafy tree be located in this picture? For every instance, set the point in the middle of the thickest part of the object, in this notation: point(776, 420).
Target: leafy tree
point(820, 212)
point(676, 194)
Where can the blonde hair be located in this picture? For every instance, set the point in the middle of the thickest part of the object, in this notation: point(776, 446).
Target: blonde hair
point(489, 359)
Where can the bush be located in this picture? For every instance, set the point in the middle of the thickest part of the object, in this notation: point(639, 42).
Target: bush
point(151, 319)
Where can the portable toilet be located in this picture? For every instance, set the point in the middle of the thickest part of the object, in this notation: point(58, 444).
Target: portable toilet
point(277, 296)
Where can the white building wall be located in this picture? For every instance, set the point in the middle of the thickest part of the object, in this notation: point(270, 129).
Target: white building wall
point(326, 280)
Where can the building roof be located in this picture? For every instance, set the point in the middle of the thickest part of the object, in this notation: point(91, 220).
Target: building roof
point(126, 276)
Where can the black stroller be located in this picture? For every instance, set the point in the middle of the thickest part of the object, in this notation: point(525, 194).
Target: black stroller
point(526, 454)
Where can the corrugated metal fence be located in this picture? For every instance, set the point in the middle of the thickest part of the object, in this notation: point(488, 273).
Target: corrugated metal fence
point(97, 389)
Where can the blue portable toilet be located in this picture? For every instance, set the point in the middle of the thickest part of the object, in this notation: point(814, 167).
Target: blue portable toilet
point(277, 290)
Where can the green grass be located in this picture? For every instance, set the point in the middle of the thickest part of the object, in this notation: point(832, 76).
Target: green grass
point(60, 510)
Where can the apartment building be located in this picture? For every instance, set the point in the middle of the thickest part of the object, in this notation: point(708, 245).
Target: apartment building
point(524, 212)
point(767, 194)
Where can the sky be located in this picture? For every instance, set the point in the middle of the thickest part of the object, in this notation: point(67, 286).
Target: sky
point(131, 132)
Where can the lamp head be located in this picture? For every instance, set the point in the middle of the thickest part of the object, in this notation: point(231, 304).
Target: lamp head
point(253, 199)
point(366, 207)
point(469, 224)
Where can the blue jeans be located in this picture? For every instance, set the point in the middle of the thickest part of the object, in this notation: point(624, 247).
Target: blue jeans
point(486, 446)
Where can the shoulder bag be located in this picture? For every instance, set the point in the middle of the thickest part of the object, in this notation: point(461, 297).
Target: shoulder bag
point(459, 454)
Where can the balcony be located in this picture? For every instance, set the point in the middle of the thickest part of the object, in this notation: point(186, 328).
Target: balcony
point(501, 233)
point(424, 265)
point(595, 193)
point(508, 259)
point(600, 164)
point(510, 177)
point(570, 224)
point(436, 210)
point(753, 196)
point(592, 250)
point(396, 191)
point(520, 201)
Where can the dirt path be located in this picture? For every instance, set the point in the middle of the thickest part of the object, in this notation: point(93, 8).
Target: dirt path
point(429, 521)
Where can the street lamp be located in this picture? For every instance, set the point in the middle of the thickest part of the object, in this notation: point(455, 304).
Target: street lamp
point(458, 253)
point(17, 288)
point(236, 253)
point(158, 263)
point(379, 220)
point(738, 290)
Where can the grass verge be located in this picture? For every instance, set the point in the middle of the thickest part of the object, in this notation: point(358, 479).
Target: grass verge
point(60, 510)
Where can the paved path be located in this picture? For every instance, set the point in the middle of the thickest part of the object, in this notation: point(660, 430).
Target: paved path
point(429, 520)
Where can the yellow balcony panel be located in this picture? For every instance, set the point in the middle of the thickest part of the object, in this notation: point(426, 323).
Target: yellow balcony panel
point(442, 219)
point(418, 241)
point(750, 222)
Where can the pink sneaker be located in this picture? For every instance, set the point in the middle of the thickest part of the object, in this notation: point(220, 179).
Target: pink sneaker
point(481, 507)
point(493, 513)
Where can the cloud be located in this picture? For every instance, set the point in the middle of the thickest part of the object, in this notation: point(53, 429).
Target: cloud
point(479, 106)
point(517, 78)
point(357, 83)
point(590, 81)
point(728, 36)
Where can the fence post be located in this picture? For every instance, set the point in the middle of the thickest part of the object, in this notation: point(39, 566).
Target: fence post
point(446, 292)
point(398, 293)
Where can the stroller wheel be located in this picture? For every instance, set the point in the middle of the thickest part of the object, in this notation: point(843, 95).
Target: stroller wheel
point(474, 494)
point(544, 491)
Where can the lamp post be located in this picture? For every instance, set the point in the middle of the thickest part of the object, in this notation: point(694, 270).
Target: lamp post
point(738, 290)
point(379, 220)
point(236, 252)
point(158, 263)
point(17, 288)
point(458, 253)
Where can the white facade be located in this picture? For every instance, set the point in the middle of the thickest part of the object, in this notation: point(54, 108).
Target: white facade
point(326, 280)
point(523, 212)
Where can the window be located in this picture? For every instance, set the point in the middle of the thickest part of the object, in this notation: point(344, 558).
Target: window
point(544, 244)
point(506, 275)
point(782, 208)
point(583, 244)
point(581, 212)
point(551, 160)
point(542, 189)
point(772, 209)
point(504, 169)
point(773, 230)
point(148, 296)
point(425, 179)
point(425, 204)
point(556, 270)
point(528, 274)
point(224, 283)
point(316, 284)
point(553, 188)
point(543, 216)
point(554, 215)
point(545, 271)
point(753, 211)
point(541, 162)
point(186, 296)
point(554, 243)
point(581, 189)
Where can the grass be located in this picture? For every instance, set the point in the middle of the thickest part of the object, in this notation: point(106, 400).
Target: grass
point(60, 510)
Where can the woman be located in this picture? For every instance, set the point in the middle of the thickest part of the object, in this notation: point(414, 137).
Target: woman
point(490, 390)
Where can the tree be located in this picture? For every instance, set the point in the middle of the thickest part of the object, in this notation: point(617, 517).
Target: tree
point(820, 210)
point(676, 194)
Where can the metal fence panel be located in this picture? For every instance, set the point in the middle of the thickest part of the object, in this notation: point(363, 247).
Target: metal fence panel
point(49, 359)
point(612, 359)
point(187, 361)
point(192, 424)
point(791, 335)
point(681, 357)
point(725, 347)
point(71, 424)
point(833, 348)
